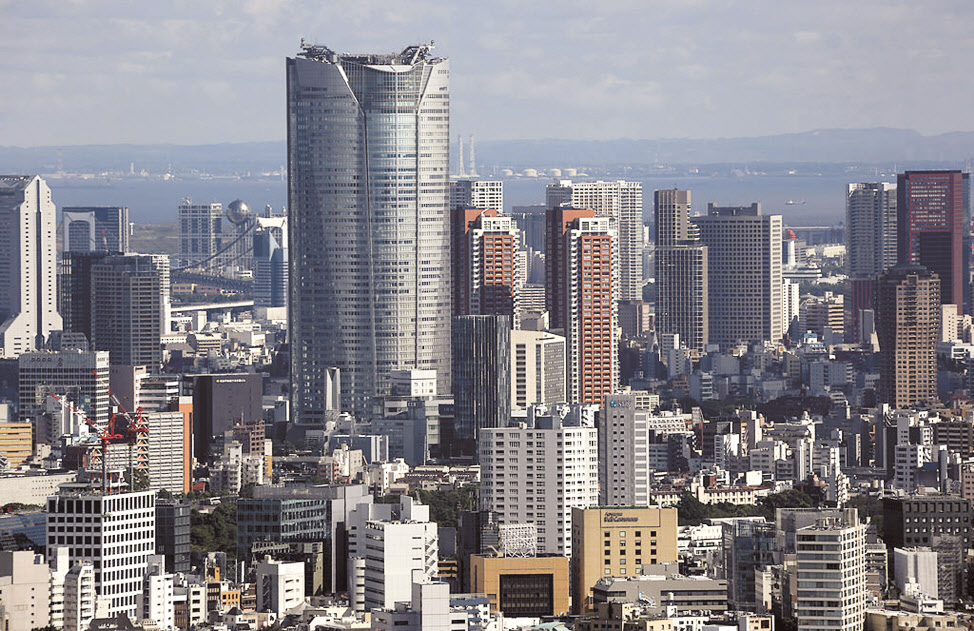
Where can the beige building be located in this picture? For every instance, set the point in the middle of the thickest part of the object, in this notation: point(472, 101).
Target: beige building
point(537, 368)
point(15, 443)
point(522, 586)
point(24, 591)
point(610, 541)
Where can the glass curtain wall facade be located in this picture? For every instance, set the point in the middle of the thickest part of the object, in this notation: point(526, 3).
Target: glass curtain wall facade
point(368, 191)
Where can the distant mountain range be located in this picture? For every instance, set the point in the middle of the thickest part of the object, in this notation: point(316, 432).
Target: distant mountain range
point(872, 146)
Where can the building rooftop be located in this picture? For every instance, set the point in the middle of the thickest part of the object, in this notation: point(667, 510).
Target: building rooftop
point(409, 56)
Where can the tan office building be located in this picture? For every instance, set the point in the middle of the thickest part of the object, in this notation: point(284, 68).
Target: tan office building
point(613, 541)
point(522, 587)
point(15, 443)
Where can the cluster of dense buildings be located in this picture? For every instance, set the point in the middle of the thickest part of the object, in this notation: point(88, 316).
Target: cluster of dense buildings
point(599, 396)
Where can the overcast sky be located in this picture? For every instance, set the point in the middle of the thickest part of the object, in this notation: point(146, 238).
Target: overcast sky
point(200, 71)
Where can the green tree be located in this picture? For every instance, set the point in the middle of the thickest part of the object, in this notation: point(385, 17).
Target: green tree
point(215, 531)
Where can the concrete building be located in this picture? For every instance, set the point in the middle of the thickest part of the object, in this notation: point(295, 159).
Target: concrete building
point(387, 543)
point(748, 547)
point(270, 262)
point(173, 533)
point(537, 368)
point(664, 588)
point(482, 194)
point(485, 265)
point(522, 586)
point(831, 576)
point(907, 307)
point(73, 596)
point(481, 377)
point(116, 530)
point(280, 586)
point(682, 270)
point(95, 229)
point(933, 212)
point(611, 541)
point(622, 203)
point(916, 572)
point(536, 475)
point(28, 282)
point(81, 377)
point(370, 273)
point(157, 603)
point(200, 235)
point(579, 286)
point(16, 444)
point(219, 402)
point(744, 273)
point(24, 591)
point(870, 244)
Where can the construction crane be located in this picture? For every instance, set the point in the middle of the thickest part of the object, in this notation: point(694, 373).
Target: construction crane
point(106, 434)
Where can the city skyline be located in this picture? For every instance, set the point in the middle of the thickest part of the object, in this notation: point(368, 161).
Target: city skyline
point(676, 69)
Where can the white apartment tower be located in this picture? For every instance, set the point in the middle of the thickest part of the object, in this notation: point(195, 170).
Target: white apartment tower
point(72, 591)
point(831, 569)
point(537, 368)
point(483, 194)
point(626, 452)
point(28, 265)
point(157, 603)
point(200, 235)
point(117, 531)
point(280, 586)
point(622, 202)
point(370, 238)
point(537, 475)
point(744, 274)
point(870, 219)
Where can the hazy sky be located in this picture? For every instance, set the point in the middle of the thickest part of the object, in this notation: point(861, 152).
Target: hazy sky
point(200, 71)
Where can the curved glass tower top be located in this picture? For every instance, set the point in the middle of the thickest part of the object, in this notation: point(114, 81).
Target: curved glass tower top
point(368, 198)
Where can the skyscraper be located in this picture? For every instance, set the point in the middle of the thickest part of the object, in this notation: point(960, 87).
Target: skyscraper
point(481, 377)
point(681, 271)
point(870, 219)
point(485, 265)
point(622, 202)
point(578, 286)
point(744, 273)
point(270, 261)
point(368, 191)
point(28, 271)
point(907, 304)
point(483, 194)
point(933, 226)
point(200, 234)
point(831, 576)
point(95, 229)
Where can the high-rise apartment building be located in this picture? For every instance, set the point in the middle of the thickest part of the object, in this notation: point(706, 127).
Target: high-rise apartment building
point(130, 308)
point(482, 194)
point(537, 368)
point(117, 531)
point(200, 235)
point(536, 475)
point(907, 305)
point(370, 264)
point(831, 576)
point(95, 229)
point(270, 262)
point(681, 272)
point(578, 286)
point(622, 202)
point(481, 377)
point(870, 215)
point(28, 266)
point(933, 228)
point(485, 263)
point(744, 273)
point(81, 377)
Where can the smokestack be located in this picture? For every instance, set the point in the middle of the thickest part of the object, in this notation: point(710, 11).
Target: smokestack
point(462, 172)
point(473, 158)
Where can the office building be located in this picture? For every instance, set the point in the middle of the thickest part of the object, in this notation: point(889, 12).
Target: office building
point(28, 266)
point(95, 229)
point(537, 368)
point(485, 263)
point(681, 272)
point(16, 443)
point(130, 308)
point(481, 376)
point(168, 457)
point(622, 203)
point(748, 546)
point(75, 290)
point(80, 377)
point(618, 541)
point(907, 305)
point(482, 194)
point(916, 520)
point(744, 274)
point(933, 229)
point(520, 587)
point(219, 402)
point(24, 591)
point(831, 576)
point(371, 243)
point(280, 586)
point(631, 450)
point(172, 534)
point(200, 235)
point(870, 234)
point(536, 475)
point(270, 262)
point(578, 286)
point(118, 531)
point(388, 546)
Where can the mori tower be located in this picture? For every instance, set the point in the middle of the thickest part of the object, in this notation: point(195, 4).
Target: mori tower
point(368, 207)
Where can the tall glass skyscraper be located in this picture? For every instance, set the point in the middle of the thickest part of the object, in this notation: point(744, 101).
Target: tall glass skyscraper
point(368, 200)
